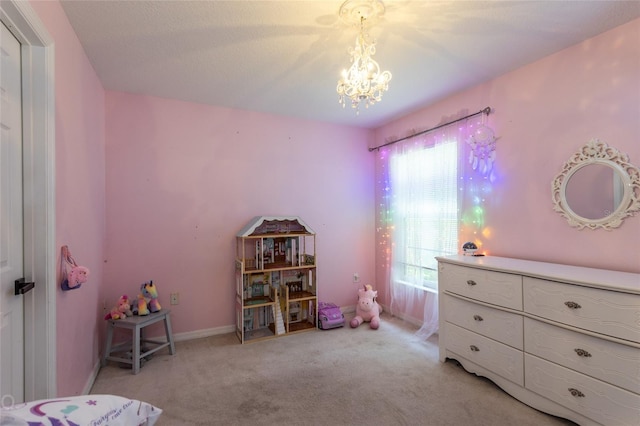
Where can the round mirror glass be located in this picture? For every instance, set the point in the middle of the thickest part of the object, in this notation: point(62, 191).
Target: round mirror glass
point(594, 191)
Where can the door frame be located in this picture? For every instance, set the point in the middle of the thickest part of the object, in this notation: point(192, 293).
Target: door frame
point(38, 106)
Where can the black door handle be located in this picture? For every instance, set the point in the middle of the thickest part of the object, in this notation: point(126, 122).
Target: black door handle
point(22, 287)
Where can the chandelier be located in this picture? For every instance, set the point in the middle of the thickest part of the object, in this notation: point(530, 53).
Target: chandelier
point(363, 82)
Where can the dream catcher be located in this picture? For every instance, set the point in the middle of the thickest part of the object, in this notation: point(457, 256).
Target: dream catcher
point(483, 148)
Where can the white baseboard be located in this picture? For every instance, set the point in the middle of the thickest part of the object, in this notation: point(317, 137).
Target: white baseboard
point(92, 378)
point(351, 309)
point(411, 320)
point(198, 334)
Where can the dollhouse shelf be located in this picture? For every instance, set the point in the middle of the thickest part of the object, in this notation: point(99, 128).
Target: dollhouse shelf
point(276, 285)
point(258, 301)
point(279, 266)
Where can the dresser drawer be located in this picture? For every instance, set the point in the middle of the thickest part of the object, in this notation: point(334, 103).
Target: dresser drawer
point(495, 356)
point(593, 398)
point(607, 312)
point(499, 325)
point(608, 361)
point(497, 288)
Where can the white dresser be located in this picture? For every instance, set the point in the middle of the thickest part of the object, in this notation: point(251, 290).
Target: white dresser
point(562, 339)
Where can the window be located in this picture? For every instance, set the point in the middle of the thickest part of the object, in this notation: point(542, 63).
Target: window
point(422, 189)
point(424, 211)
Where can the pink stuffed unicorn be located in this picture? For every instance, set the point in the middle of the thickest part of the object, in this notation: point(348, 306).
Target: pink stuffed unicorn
point(367, 309)
point(121, 311)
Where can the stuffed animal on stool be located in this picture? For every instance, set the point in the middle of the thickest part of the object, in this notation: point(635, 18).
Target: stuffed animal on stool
point(141, 308)
point(121, 311)
point(367, 309)
point(147, 300)
point(151, 295)
point(124, 306)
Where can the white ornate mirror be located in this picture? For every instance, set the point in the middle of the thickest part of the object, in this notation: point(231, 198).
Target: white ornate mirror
point(597, 187)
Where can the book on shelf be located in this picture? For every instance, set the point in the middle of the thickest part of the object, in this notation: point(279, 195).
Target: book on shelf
point(293, 252)
point(275, 279)
point(259, 254)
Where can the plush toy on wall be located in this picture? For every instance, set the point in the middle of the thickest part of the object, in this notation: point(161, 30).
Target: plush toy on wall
point(367, 309)
point(121, 311)
point(78, 275)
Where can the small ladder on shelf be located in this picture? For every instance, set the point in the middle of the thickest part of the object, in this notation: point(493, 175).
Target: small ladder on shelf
point(277, 317)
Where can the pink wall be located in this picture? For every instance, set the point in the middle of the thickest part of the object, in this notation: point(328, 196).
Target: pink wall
point(80, 197)
point(184, 178)
point(542, 114)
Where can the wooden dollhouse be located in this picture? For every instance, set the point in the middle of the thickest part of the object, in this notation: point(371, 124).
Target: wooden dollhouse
point(276, 284)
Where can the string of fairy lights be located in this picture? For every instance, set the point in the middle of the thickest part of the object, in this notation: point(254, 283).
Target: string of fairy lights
point(477, 180)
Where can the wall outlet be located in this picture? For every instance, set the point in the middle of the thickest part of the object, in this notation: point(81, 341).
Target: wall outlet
point(356, 277)
point(174, 298)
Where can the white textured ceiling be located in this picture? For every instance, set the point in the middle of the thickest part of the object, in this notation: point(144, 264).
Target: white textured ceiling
point(285, 57)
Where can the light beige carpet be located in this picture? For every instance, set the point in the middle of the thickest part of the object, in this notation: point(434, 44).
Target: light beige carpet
point(335, 377)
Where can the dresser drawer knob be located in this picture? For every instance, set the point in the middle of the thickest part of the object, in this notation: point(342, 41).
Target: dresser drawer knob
point(582, 352)
point(478, 318)
point(572, 305)
point(474, 348)
point(471, 282)
point(576, 392)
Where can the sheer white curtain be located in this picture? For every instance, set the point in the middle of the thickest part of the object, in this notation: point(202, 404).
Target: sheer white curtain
point(420, 186)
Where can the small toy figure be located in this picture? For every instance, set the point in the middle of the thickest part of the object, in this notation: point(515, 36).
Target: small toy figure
point(124, 306)
point(330, 316)
point(469, 248)
point(121, 311)
point(113, 315)
point(367, 309)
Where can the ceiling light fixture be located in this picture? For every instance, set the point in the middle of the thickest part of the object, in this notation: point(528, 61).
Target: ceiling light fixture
point(363, 82)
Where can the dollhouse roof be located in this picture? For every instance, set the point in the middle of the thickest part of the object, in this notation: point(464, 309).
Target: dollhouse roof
point(260, 225)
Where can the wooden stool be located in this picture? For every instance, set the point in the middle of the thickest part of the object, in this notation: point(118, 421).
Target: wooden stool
point(137, 324)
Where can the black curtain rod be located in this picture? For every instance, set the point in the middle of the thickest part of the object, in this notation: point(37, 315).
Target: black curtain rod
point(487, 110)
